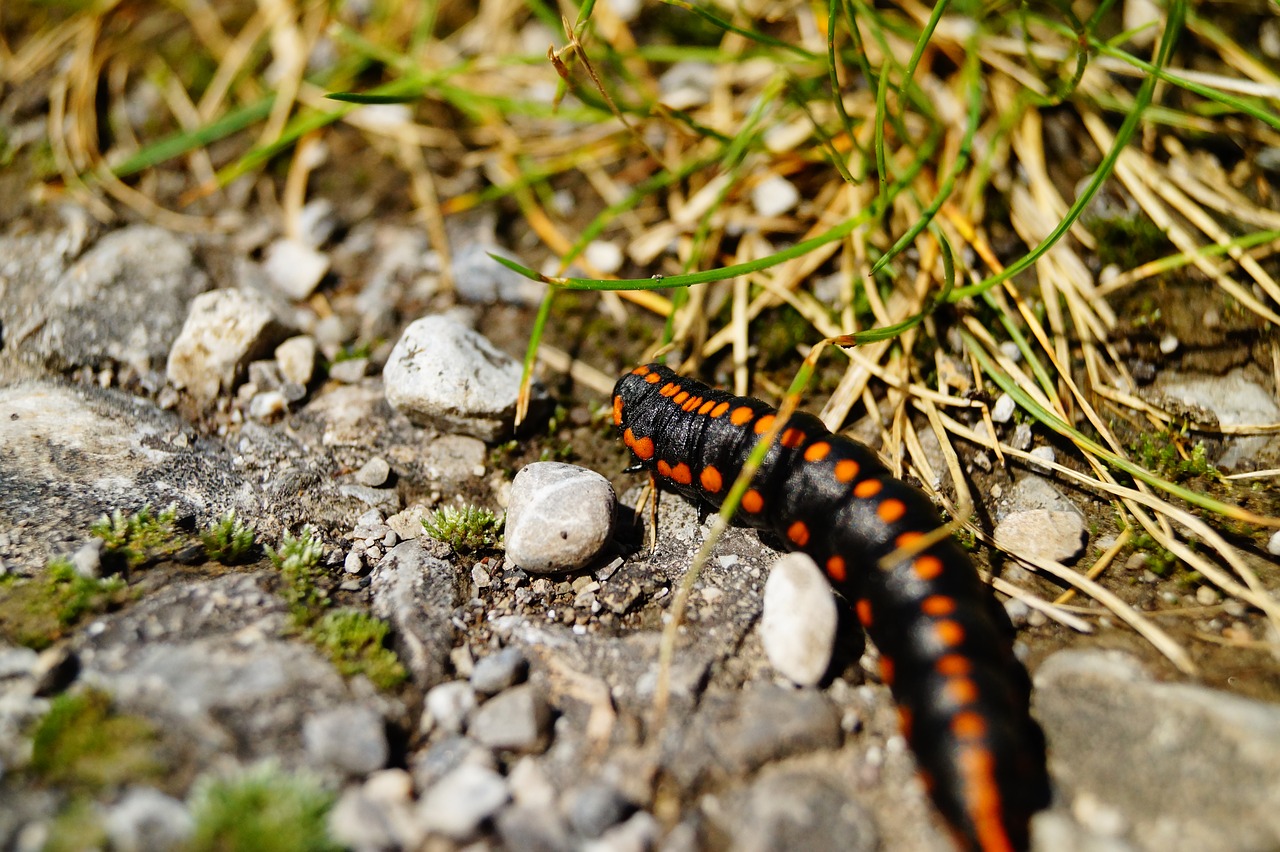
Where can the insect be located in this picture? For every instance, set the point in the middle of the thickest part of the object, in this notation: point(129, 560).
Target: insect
point(945, 644)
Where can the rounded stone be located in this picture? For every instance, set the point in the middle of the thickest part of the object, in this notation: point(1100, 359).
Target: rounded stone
point(560, 517)
point(459, 802)
point(351, 739)
point(798, 627)
point(445, 375)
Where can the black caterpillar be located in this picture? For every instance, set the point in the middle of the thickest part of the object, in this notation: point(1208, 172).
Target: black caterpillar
point(945, 645)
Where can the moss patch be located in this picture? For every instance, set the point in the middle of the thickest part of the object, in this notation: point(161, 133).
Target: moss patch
point(38, 611)
point(355, 642)
point(82, 744)
point(264, 809)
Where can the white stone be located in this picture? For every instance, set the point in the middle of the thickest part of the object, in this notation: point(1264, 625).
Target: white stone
point(774, 196)
point(223, 332)
point(604, 256)
point(295, 268)
point(459, 802)
point(560, 517)
point(448, 706)
point(296, 358)
point(798, 627)
point(1002, 411)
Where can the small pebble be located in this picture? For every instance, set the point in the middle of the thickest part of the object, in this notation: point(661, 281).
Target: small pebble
point(295, 268)
point(459, 802)
point(1044, 533)
point(448, 706)
point(517, 719)
point(349, 371)
point(268, 405)
point(496, 672)
point(1273, 544)
point(604, 256)
point(87, 559)
point(798, 626)
point(354, 563)
point(145, 819)
point(350, 738)
point(296, 359)
point(373, 473)
point(1169, 344)
point(1207, 596)
point(1002, 411)
point(774, 196)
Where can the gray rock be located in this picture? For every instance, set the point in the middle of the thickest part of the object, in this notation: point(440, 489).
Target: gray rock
point(373, 473)
point(768, 723)
point(1002, 411)
point(477, 277)
point(448, 706)
point(798, 627)
point(56, 669)
point(443, 374)
point(296, 358)
point(559, 517)
point(461, 801)
point(71, 455)
point(224, 331)
point(294, 268)
point(415, 593)
point(377, 816)
point(146, 820)
point(123, 302)
point(87, 560)
point(1111, 729)
point(1041, 533)
point(496, 672)
point(595, 808)
point(385, 500)
point(1236, 399)
point(534, 829)
point(517, 720)
point(431, 764)
point(353, 563)
point(640, 833)
point(349, 370)
point(350, 739)
point(796, 810)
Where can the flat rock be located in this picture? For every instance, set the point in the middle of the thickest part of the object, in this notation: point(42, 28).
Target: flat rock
point(69, 455)
point(1112, 731)
point(349, 739)
point(224, 331)
point(462, 800)
point(123, 302)
point(515, 720)
point(798, 627)
point(559, 517)
point(415, 593)
point(795, 810)
point(443, 374)
point(1236, 399)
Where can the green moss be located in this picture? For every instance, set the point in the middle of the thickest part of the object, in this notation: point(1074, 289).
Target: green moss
point(38, 611)
point(76, 827)
point(82, 744)
point(228, 540)
point(298, 560)
point(355, 642)
point(1165, 453)
point(1159, 560)
point(264, 809)
point(1128, 240)
point(138, 538)
point(467, 529)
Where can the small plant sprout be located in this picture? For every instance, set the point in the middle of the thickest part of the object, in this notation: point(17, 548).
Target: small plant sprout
point(229, 540)
point(465, 529)
point(137, 538)
point(298, 560)
point(263, 808)
point(354, 641)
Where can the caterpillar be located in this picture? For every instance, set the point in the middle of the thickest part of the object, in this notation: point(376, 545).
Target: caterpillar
point(945, 644)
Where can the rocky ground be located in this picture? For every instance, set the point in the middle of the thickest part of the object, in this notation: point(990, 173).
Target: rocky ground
point(141, 368)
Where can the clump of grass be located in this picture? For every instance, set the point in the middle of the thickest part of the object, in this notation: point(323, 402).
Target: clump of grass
point(229, 540)
point(77, 826)
point(1162, 452)
point(353, 640)
point(37, 611)
point(466, 529)
point(298, 560)
point(82, 744)
point(265, 809)
point(138, 538)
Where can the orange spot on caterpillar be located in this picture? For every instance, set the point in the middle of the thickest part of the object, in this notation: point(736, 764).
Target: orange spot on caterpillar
point(798, 533)
point(891, 510)
point(706, 407)
point(711, 479)
point(669, 389)
point(938, 605)
point(817, 452)
point(642, 370)
point(961, 690)
point(680, 397)
point(752, 501)
point(682, 474)
point(792, 438)
point(846, 470)
point(664, 469)
point(653, 378)
point(691, 403)
point(863, 608)
point(643, 448)
point(836, 568)
point(867, 488)
point(719, 410)
point(617, 411)
point(886, 670)
point(949, 633)
point(977, 767)
point(763, 424)
point(927, 566)
point(742, 415)
point(968, 725)
point(953, 665)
